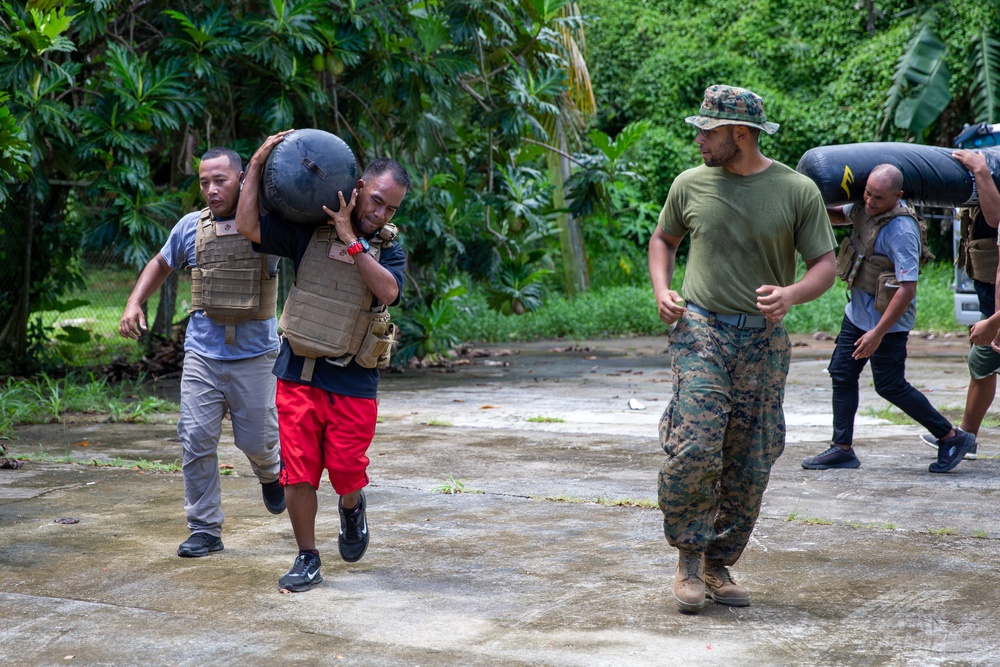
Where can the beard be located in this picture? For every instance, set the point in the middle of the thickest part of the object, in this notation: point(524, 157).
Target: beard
point(726, 153)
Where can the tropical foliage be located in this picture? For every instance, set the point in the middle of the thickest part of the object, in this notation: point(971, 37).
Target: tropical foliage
point(829, 72)
point(542, 135)
point(109, 103)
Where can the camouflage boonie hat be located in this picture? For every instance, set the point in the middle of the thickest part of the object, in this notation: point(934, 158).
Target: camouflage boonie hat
point(729, 105)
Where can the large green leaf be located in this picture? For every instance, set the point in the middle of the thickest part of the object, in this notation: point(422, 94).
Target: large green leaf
point(985, 61)
point(919, 91)
point(917, 112)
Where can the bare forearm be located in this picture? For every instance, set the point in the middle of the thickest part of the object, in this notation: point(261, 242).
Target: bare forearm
point(818, 278)
point(661, 264)
point(133, 320)
point(247, 212)
point(989, 197)
point(897, 306)
point(149, 281)
point(836, 215)
point(379, 280)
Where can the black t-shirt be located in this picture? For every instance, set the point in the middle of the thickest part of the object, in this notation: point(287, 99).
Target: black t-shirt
point(980, 228)
point(289, 240)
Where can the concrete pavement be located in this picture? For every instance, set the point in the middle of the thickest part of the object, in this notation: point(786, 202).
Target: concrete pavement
point(552, 556)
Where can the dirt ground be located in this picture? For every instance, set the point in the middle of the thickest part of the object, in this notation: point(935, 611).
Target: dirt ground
point(553, 555)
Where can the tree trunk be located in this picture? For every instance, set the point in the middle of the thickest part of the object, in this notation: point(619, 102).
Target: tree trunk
point(165, 312)
point(576, 276)
point(18, 335)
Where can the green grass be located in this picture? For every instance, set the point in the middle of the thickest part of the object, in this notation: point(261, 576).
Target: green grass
point(629, 310)
point(816, 521)
point(436, 422)
point(561, 499)
point(452, 486)
point(890, 414)
point(942, 531)
point(627, 502)
point(43, 399)
point(546, 420)
point(871, 525)
point(133, 464)
point(106, 291)
point(600, 500)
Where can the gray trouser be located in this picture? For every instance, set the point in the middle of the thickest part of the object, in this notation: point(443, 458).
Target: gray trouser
point(207, 387)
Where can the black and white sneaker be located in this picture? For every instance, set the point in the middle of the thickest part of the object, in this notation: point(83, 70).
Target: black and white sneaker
point(970, 455)
point(303, 575)
point(353, 539)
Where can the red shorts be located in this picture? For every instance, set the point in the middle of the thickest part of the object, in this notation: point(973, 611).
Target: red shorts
point(322, 430)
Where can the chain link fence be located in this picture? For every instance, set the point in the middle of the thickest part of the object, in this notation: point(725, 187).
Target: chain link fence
point(79, 328)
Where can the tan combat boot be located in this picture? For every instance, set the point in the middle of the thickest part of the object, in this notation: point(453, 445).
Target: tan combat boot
point(721, 586)
point(689, 584)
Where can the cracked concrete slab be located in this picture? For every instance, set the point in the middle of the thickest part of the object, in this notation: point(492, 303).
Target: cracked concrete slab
point(554, 554)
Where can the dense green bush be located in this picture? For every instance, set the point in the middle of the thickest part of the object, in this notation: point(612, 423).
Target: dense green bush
point(629, 309)
point(823, 77)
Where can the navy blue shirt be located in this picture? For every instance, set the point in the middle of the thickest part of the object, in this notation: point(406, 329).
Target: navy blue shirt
point(290, 240)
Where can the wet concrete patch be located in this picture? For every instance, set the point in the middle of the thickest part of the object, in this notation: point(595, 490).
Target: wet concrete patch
point(884, 565)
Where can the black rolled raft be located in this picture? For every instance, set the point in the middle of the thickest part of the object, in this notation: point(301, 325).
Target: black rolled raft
point(931, 177)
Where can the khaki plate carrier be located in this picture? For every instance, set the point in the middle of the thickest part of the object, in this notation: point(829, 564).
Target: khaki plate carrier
point(328, 312)
point(861, 268)
point(231, 283)
point(977, 257)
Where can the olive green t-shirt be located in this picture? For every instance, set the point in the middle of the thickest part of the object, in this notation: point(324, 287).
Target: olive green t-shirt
point(745, 231)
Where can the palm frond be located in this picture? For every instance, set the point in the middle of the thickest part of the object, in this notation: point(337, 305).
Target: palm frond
point(985, 59)
point(919, 91)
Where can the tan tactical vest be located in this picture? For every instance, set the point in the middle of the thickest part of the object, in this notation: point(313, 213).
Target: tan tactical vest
point(231, 283)
point(328, 311)
point(860, 267)
point(977, 257)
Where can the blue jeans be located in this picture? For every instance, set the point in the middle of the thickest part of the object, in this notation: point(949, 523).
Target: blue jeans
point(888, 367)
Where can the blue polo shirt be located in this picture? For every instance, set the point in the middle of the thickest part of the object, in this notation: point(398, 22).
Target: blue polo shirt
point(203, 336)
point(899, 240)
point(278, 237)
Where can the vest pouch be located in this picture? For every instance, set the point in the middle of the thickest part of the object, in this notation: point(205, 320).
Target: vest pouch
point(230, 295)
point(847, 261)
point(982, 260)
point(376, 349)
point(885, 289)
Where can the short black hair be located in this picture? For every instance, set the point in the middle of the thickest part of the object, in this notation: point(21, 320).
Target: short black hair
point(220, 151)
point(381, 165)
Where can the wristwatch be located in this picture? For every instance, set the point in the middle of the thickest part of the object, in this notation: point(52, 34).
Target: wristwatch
point(361, 245)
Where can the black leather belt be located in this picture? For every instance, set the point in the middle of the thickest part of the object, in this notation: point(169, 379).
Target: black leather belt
point(740, 321)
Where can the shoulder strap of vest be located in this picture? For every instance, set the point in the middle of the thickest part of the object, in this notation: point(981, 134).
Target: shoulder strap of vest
point(201, 229)
point(866, 228)
point(204, 223)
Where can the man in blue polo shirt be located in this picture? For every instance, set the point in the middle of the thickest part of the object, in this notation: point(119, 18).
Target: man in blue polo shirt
point(227, 362)
point(877, 321)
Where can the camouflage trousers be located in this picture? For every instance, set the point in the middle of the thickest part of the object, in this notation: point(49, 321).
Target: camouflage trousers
point(722, 432)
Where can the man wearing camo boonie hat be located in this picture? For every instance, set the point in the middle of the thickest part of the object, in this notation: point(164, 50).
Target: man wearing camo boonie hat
point(728, 105)
point(747, 217)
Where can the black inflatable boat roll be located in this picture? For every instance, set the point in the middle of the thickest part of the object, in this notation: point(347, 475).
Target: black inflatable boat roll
point(931, 177)
point(305, 172)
